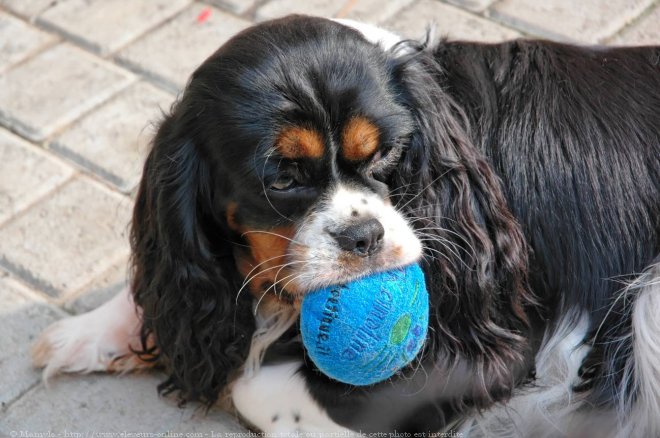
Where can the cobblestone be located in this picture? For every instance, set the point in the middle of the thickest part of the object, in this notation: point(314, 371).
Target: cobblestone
point(74, 83)
point(449, 20)
point(372, 11)
point(106, 25)
point(278, 8)
point(104, 404)
point(235, 6)
point(63, 242)
point(29, 8)
point(644, 32)
point(24, 316)
point(589, 21)
point(101, 289)
point(170, 54)
point(473, 5)
point(24, 42)
point(26, 174)
point(113, 140)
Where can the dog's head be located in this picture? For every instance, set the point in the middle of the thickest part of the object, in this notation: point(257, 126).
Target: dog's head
point(302, 155)
point(302, 128)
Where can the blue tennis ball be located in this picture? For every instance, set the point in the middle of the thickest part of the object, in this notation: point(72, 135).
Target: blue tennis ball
point(363, 332)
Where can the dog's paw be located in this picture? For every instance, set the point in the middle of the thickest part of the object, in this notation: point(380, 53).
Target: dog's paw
point(101, 340)
point(276, 401)
point(69, 346)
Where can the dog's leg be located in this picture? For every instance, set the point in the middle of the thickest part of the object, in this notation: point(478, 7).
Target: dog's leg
point(643, 367)
point(276, 400)
point(100, 340)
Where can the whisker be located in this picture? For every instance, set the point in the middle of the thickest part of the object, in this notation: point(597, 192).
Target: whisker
point(248, 280)
point(265, 261)
point(458, 235)
point(454, 253)
point(421, 191)
point(293, 279)
point(440, 239)
point(441, 254)
point(256, 307)
point(274, 234)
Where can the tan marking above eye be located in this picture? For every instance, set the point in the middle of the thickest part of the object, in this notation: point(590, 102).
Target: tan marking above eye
point(299, 142)
point(359, 139)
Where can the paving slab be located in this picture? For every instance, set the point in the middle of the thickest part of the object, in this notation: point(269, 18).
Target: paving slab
point(171, 53)
point(237, 7)
point(61, 244)
point(449, 21)
point(372, 11)
point(29, 8)
point(279, 8)
point(473, 5)
point(646, 31)
point(106, 25)
point(24, 315)
point(108, 403)
point(222, 423)
point(587, 21)
point(19, 40)
point(113, 139)
point(63, 83)
point(27, 173)
point(100, 290)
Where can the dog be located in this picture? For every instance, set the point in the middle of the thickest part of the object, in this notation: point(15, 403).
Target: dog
point(523, 176)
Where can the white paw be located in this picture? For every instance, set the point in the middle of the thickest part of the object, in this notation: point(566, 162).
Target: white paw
point(276, 401)
point(100, 340)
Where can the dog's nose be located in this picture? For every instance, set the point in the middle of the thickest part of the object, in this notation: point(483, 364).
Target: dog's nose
point(363, 238)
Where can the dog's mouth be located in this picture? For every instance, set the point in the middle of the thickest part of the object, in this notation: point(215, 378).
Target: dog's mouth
point(350, 235)
point(355, 234)
point(316, 271)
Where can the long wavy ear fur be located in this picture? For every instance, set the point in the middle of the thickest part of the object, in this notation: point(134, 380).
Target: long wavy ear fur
point(184, 275)
point(475, 256)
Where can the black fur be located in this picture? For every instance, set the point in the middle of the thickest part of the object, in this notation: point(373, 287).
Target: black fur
point(184, 276)
point(587, 195)
point(531, 167)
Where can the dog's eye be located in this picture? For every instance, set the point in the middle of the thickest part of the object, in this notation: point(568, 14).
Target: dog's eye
point(383, 162)
point(284, 181)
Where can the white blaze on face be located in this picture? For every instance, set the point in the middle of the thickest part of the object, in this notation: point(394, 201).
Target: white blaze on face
point(318, 261)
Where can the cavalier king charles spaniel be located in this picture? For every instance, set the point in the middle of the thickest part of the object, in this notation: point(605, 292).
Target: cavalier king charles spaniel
point(523, 176)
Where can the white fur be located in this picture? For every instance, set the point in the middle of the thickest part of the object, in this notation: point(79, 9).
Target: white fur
point(317, 259)
point(644, 366)
point(374, 34)
point(276, 401)
point(270, 325)
point(545, 409)
point(550, 409)
point(91, 341)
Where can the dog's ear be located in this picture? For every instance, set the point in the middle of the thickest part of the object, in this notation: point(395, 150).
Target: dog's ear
point(476, 256)
point(184, 275)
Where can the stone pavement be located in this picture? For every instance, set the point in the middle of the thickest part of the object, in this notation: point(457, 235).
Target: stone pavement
point(82, 84)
